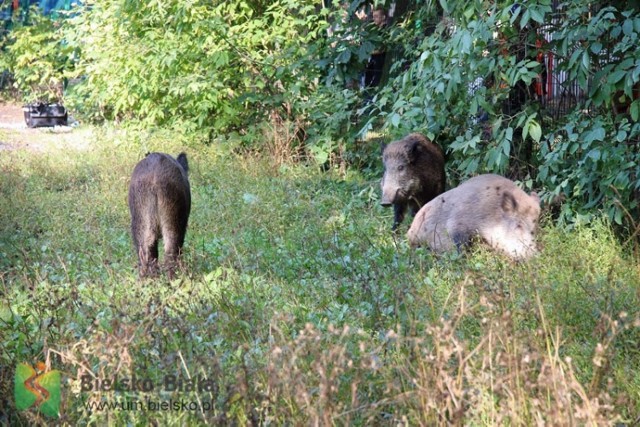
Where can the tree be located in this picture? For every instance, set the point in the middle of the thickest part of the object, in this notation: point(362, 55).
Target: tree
point(474, 85)
point(544, 92)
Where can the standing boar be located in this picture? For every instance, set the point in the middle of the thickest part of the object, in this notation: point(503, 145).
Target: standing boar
point(488, 206)
point(160, 203)
point(413, 174)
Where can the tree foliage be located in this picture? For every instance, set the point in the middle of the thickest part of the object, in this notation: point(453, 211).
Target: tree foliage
point(467, 73)
point(37, 57)
point(217, 65)
point(470, 85)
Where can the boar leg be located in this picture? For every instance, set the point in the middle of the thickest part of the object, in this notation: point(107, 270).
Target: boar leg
point(460, 240)
point(173, 233)
point(171, 253)
point(398, 214)
point(414, 207)
point(148, 257)
point(145, 238)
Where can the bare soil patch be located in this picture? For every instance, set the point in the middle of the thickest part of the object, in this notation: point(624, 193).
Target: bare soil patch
point(15, 135)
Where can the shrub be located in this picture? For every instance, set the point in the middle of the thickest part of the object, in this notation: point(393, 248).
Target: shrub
point(38, 58)
point(470, 87)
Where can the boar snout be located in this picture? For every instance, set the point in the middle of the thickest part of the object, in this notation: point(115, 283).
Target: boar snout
point(390, 196)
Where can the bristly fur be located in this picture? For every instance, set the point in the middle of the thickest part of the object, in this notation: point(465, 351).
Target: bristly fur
point(413, 174)
point(488, 206)
point(159, 203)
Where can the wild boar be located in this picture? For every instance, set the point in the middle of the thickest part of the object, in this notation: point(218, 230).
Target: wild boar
point(159, 203)
point(413, 175)
point(488, 206)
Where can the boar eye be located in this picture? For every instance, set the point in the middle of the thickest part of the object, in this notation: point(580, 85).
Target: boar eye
point(401, 167)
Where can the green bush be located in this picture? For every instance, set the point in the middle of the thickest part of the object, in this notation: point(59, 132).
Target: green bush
point(38, 58)
point(194, 65)
point(225, 68)
point(469, 88)
point(278, 77)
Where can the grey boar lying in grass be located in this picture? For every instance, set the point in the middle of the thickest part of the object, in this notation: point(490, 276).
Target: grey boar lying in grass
point(160, 203)
point(487, 206)
point(413, 174)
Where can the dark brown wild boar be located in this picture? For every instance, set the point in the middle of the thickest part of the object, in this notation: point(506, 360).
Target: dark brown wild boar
point(160, 203)
point(488, 206)
point(413, 174)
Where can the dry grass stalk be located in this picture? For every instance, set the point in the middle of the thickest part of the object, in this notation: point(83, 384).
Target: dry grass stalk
point(499, 377)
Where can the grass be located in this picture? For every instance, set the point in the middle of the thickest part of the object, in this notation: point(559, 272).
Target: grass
point(298, 304)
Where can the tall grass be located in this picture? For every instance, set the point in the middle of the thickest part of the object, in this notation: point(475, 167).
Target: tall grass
point(298, 302)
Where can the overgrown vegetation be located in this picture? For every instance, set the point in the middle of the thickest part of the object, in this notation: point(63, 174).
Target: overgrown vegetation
point(296, 300)
point(475, 81)
point(479, 86)
point(299, 303)
point(37, 57)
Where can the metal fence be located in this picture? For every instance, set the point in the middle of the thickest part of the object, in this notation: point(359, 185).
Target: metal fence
point(557, 92)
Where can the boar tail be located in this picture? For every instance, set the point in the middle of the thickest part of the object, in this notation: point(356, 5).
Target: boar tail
point(182, 159)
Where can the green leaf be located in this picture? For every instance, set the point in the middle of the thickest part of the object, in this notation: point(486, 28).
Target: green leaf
point(535, 130)
point(515, 12)
point(50, 381)
point(537, 15)
point(594, 154)
point(627, 27)
point(395, 119)
point(24, 398)
point(635, 110)
point(596, 47)
point(574, 58)
point(596, 134)
point(621, 135)
point(586, 61)
point(469, 13)
point(466, 43)
point(344, 57)
point(525, 18)
point(506, 147)
point(616, 76)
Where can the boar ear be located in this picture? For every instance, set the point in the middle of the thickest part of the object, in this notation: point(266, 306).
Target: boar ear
point(382, 147)
point(413, 150)
point(509, 203)
point(182, 159)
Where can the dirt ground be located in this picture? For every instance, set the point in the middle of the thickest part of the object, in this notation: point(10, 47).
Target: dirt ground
point(11, 116)
point(15, 135)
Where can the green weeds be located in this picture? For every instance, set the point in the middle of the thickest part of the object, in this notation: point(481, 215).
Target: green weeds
point(299, 304)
